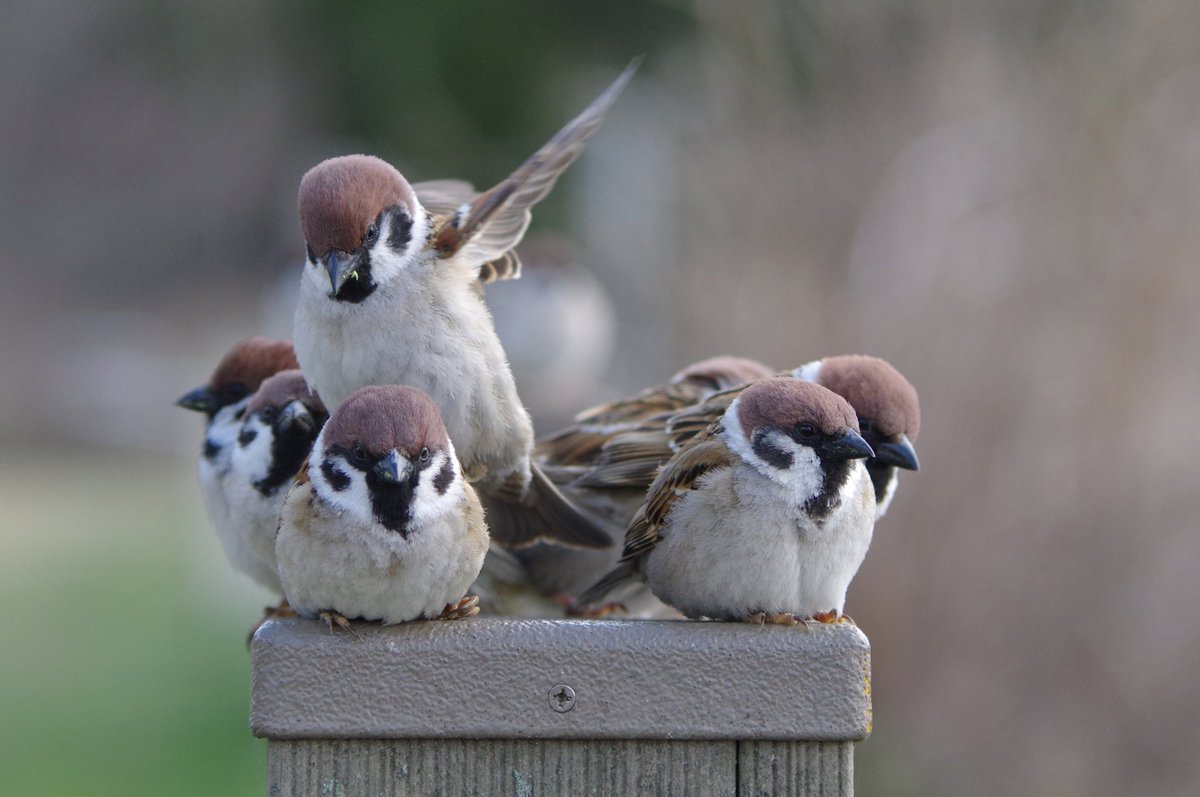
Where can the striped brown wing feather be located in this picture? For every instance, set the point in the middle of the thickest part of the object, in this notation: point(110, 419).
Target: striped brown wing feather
point(706, 453)
point(495, 221)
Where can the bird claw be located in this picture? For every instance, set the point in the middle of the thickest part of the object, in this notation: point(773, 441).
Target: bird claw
point(467, 607)
point(333, 618)
point(280, 611)
point(271, 613)
point(781, 618)
point(595, 612)
point(833, 618)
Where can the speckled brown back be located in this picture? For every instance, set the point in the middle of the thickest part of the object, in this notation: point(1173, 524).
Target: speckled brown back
point(723, 372)
point(281, 388)
point(384, 417)
point(782, 401)
point(251, 361)
point(340, 197)
point(876, 390)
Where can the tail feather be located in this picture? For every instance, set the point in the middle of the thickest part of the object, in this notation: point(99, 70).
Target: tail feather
point(544, 514)
point(621, 575)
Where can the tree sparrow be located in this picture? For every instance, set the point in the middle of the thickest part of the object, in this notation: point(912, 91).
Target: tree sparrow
point(565, 456)
point(764, 516)
point(889, 414)
point(280, 423)
point(390, 294)
point(223, 400)
point(381, 524)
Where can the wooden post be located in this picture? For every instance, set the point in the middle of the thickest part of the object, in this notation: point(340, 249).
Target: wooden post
point(496, 706)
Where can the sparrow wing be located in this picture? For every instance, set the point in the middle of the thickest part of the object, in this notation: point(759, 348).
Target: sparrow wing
point(628, 459)
point(492, 223)
point(575, 445)
point(521, 515)
point(443, 199)
point(680, 475)
point(689, 422)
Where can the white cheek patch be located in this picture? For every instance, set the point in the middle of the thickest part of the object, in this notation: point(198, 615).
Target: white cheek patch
point(429, 504)
point(254, 459)
point(328, 473)
point(222, 432)
point(798, 483)
point(386, 263)
point(889, 492)
point(809, 372)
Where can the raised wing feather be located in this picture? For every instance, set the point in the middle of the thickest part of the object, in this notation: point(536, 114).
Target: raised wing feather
point(494, 222)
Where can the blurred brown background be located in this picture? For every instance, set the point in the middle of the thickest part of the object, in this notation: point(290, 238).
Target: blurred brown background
point(999, 197)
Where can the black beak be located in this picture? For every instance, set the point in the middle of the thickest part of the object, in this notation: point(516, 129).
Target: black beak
point(847, 445)
point(900, 453)
point(295, 414)
point(200, 400)
point(392, 468)
point(342, 267)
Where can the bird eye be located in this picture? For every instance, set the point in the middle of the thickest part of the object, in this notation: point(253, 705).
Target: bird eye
point(359, 455)
point(805, 431)
point(268, 414)
point(424, 455)
point(372, 233)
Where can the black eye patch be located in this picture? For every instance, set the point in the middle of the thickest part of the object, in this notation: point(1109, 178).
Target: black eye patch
point(401, 232)
point(444, 477)
point(769, 453)
point(337, 480)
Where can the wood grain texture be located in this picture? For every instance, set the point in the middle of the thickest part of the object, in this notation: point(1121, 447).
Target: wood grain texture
point(798, 769)
point(503, 768)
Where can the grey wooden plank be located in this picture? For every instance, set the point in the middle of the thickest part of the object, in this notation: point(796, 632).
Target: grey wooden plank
point(795, 769)
point(491, 678)
point(504, 768)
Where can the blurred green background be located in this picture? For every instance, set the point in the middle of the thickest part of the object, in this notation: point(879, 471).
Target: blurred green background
point(999, 197)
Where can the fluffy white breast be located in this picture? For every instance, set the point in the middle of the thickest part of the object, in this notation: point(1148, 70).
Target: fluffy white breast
point(429, 330)
point(331, 561)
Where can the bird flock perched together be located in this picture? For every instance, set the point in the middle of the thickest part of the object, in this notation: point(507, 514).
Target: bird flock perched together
point(383, 467)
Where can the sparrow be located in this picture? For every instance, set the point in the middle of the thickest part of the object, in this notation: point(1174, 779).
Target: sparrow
point(562, 572)
point(381, 523)
point(390, 293)
point(765, 516)
point(889, 414)
point(886, 404)
point(278, 428)
point(223, 401)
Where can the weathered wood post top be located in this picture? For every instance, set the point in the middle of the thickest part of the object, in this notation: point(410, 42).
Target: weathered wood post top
point(525, 707)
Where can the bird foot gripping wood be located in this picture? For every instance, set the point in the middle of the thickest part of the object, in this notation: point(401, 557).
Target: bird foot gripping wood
point(467, 607)
point(333, 618)
point(833, 618)
point(282, 610)
point(596, 612)
point(270, 613)
point(782, 618)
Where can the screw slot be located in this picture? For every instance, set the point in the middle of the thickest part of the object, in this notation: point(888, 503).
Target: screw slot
point(562, 698)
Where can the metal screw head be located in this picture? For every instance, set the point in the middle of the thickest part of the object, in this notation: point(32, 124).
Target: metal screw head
point(562, 698)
